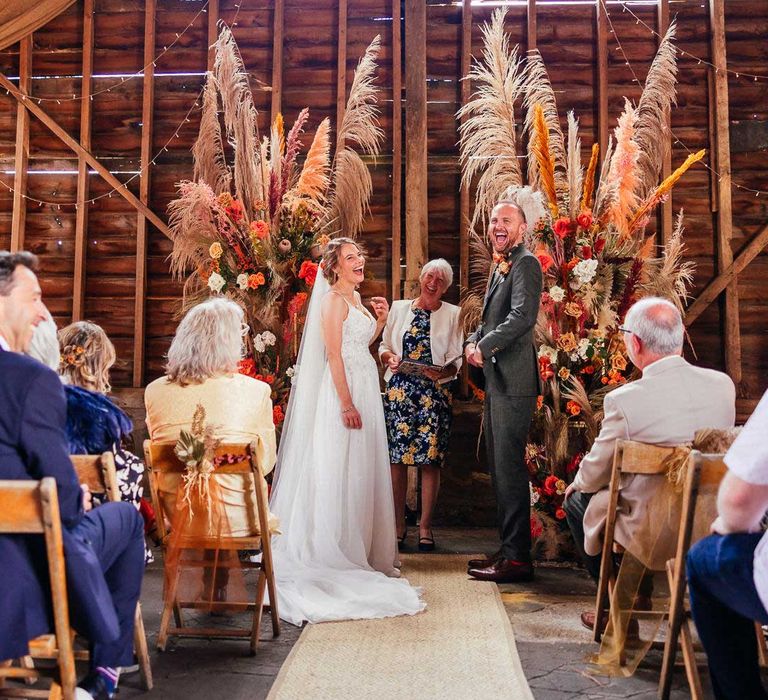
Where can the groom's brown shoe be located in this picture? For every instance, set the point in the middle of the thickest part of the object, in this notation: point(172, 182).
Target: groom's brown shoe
point(490, 560)
point(504, 571)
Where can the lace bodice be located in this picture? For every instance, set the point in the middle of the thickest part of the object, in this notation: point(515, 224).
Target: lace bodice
point(357, 331)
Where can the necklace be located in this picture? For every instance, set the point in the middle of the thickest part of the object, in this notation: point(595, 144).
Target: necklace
point(349, 298)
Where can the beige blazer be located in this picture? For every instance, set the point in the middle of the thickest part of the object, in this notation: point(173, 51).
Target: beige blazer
point(445, 334)
point(240, 408)
point(666, 406)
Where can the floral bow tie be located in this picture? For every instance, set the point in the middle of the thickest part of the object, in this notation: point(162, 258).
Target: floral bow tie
point(502, 264)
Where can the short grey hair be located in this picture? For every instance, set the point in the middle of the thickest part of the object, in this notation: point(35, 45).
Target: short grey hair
point(44, 346)
point(658, 324)
point(440, 265)
point(208, 342)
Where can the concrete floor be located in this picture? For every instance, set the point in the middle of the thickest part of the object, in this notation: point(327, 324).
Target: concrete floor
point(544, 613)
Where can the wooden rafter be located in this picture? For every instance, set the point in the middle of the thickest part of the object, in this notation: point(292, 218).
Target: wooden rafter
point(277, 57)
point(602, 77)
point(142, 226)
point(397, 147)
point(21, 160)
point(81, 215)
point(341, 69)
point(466, 91)
point(213, 31)
point(533, 31)
point(23, 98)
point(721, 150)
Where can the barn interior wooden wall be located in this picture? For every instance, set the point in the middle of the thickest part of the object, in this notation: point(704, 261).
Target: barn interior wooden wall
point(106, 262)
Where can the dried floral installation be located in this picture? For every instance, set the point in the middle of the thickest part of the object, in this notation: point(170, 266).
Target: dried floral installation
point(251, 225)
point(587, 228)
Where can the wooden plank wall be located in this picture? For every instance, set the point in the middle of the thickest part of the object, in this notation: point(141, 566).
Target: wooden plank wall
point(566, 35)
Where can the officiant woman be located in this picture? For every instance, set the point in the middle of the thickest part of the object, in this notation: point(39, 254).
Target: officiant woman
point(422, 331)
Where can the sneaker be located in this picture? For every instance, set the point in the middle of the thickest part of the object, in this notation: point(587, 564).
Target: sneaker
point(92, 687)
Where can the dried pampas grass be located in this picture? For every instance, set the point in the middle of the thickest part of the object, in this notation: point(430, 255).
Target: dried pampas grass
point(575, 171)
point(210, 164)
point(488, 140)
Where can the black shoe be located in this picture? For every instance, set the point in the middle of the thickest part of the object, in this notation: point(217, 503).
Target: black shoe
point(427, 544)
point(401, 540)
point(490, 560)
point(92, 687)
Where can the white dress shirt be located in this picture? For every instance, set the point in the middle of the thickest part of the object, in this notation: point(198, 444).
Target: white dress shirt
point(4, 344)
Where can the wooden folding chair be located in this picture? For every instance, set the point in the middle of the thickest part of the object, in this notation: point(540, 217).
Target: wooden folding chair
point(99, 474)
point(629, 457)
point(161, 459)
point(32, 508)
point(705, 472)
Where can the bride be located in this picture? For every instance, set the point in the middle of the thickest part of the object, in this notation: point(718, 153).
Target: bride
point(337, 556)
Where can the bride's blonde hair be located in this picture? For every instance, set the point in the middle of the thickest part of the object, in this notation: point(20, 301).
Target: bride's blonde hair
point(332, 255)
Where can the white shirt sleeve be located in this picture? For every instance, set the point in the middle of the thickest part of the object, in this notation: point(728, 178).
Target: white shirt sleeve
point(748, 456)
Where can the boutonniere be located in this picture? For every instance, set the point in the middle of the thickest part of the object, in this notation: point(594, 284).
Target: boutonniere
point(502, 264)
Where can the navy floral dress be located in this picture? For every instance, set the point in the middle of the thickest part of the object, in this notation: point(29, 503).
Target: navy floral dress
point(418, 411)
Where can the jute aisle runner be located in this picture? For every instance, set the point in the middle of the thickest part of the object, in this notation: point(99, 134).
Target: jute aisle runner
point(461, 647)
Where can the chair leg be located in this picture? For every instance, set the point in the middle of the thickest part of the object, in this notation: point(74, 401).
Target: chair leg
point(257, 610)
point(603, 590)
point(689, 659)
point(273, 611)
point(168, 605)
point(762, 650)
point(676, 612)
point(142, 651)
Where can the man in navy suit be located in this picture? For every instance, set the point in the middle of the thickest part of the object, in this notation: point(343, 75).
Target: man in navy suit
point(103, 548)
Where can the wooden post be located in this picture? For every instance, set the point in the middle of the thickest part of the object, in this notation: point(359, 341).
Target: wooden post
point(213, 30)
point(532, 25)
point(81, 215)
point(397, 148)
point(665, 220)
point(416, 200)
point(278, 21)
point(341, 70)
point(139, 325)
point(602, 78)
point(721, 150)
point(21, 160)
point(22, 97)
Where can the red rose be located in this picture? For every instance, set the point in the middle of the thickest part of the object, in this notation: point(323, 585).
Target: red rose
point(563, 227)
point(308, 272)
point(599, 245)
point(545, 260)
point(260, 377)
point(235, 211)
point(247, 367)
point(560, 514)
point(277, 415)
point(550, 485)
point(545, 369)
point(584, 220)
point(269, 379)
point(586, 252)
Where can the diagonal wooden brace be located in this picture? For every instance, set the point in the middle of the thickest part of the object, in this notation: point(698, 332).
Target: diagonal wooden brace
point(57, 130)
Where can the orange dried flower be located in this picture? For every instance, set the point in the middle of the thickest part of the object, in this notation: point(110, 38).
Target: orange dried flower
point(567, 342)
point(256, 281)
point(573, 408)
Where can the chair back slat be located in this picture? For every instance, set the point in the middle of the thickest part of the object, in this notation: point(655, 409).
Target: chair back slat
point(21, 510)
point(98, 473)
point(160, 457)
point(642, 458)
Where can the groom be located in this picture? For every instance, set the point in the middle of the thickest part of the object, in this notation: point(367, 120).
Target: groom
point(503, 347)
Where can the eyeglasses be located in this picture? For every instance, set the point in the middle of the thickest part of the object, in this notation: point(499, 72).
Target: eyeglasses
point(626, 330)
point(244, 329)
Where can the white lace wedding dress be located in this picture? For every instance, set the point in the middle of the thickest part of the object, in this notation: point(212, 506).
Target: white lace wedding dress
point(336, 558)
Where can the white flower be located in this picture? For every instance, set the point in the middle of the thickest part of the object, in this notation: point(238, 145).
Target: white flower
point(216, 282)
point(557, 293)
point(548, 351)
point(291, 373)
point(258, 343)
point(535, 495)
point(585, 271)
point(583, 347)
point(268, 338)
point(242, 281)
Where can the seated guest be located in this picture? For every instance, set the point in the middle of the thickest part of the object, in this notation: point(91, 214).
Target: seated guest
point(728, 571)
point(666, 406)
point(44, 345)
point(202, 369)
point(103, 548)
point(418, 408)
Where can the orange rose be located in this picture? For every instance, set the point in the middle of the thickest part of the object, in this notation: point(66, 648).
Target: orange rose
point(573, 408)
point(584, 220)
point(256, 281)
point(618, 362)
point(259, 229)
point(545, 260)
point(277, 415)
point(564, 373)
point(563, 227)
point(225, 199)
point(539, 402)
point(573, 308)
point(567, 342)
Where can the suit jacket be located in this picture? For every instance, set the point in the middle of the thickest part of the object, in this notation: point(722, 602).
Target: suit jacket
point(666, 406)
point(32, 446)
point(505, 336)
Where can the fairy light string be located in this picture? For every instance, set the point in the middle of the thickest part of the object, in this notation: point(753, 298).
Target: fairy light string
point(635, 79)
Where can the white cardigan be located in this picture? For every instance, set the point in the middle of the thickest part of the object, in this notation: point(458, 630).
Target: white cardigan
point(445, 334)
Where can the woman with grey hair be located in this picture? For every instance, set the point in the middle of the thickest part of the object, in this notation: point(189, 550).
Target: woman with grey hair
point(422, 350)
point(202, 369)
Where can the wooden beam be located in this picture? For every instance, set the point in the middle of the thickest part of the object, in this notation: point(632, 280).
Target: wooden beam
point(721, 148)
point(466, 91)
point(397, 147)
point(277, 57)
point(341, 69)
point(416, 199)
point(602, 78)
point(213, 31)
point(23, 98)
point(533, 31)
point(21, 159)
point(81, 215)
point(665, 219)
point(142, 227)
point(727, 276)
